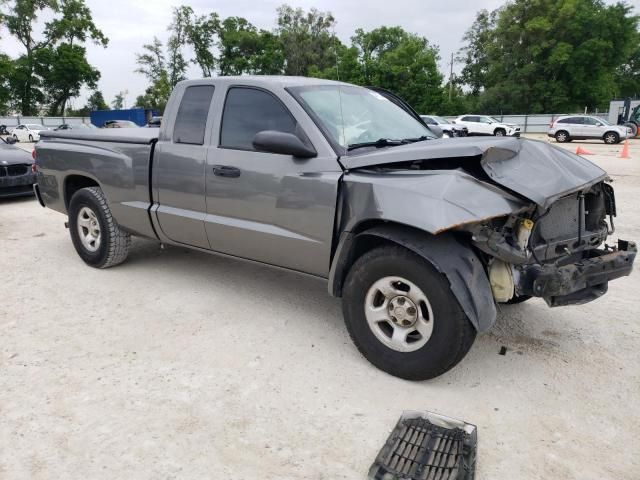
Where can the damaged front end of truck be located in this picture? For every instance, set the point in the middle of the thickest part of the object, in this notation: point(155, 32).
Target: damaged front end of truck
point(536, 217)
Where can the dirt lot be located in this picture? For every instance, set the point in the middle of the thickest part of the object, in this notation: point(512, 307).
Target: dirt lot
point(178, 364)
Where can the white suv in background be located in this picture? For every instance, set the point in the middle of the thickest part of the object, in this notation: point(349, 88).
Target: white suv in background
point(583, 127)
point(484, 125)
point(27, 132)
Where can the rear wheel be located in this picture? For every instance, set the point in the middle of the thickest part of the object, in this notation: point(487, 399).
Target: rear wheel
point(562, 136)
point(402, 316)
point(611, 138)
point(96, 236)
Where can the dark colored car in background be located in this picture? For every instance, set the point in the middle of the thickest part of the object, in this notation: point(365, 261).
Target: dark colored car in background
point(447, 127)
point(155, 122)
point(120, 124)
point(73, 126)
point(16, 177)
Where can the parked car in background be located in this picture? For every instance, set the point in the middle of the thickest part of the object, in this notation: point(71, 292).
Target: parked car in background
point(155, 122)
point(120, 124)
point(448, 128)
point(73, 126)
point(484, 125)
point(420, 237)
point(16, 175)
point(583, 127)
point(27, 132)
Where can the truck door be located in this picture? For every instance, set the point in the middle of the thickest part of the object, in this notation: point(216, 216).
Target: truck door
point(179, 169)
point(269, 207)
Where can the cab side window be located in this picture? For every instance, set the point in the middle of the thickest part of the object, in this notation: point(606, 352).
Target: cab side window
point(248, 111)
point(191, 120)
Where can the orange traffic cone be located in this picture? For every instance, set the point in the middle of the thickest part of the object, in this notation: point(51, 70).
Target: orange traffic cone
point(624, 153)
point(582, 151)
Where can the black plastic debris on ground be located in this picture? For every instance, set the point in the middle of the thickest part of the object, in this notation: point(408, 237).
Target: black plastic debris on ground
point(427, 446)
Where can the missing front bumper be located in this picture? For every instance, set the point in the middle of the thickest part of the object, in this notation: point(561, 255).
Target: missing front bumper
point(580, 282)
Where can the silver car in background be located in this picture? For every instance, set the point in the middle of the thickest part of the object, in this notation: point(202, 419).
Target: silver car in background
point(583, 127)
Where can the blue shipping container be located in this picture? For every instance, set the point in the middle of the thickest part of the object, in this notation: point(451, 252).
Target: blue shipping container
point(139, 116)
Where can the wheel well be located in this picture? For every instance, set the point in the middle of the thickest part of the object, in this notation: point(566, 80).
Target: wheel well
point(73, 183)
point(500, 128)
point(610, 131)
point(562, 130)
point(361, 244)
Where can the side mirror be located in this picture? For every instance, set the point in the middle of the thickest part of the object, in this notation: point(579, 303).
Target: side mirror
point(436, 130)
point(273, 141)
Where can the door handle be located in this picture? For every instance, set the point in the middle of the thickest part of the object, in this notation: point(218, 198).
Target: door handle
point(226, 171)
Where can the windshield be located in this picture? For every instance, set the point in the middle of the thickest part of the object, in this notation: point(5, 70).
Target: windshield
point(606, 122)
point(494, 120)
point(356, 115)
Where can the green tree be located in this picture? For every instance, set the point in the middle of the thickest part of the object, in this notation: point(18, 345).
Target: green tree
point(118, 101)
point(307, 39)
point(201, 35)
point(402, 62)
point(153, 65)
point(244, 49)
point(6, 72)
point(70, 23)
point(535, 56)
point(96, 101)
point(64, 70)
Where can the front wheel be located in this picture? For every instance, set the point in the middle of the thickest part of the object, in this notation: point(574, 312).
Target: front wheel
point(31, 138)
point(499, 132)
point(611, 138)
point(96, 236)
point(402, 316)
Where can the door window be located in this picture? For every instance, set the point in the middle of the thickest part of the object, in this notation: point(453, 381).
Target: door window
point(191, 120)
point(248, 111)
point(591, 121)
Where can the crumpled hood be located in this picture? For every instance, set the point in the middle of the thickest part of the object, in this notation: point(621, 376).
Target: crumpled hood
point(536, 170)
point(10, 155)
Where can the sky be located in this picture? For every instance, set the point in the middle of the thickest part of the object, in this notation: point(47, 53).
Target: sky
point(130, 24)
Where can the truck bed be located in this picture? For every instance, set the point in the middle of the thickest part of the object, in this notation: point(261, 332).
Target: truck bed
point(119, 160)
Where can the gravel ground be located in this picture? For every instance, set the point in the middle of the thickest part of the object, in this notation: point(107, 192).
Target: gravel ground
point(178, 364)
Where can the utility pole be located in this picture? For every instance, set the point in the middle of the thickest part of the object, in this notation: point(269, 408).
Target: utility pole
point(451, 77)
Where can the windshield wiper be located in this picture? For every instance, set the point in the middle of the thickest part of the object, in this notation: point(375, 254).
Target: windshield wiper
point(417, 139)
point(381, 142)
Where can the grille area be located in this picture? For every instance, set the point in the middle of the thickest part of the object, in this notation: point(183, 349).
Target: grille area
point(562, 219)
point(420, 449)
point(14, 170)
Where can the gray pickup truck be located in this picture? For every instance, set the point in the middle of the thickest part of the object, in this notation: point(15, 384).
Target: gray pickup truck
point(421, 237)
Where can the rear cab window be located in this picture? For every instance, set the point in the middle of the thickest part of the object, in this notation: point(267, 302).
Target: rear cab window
point(191, 120)
point(249, 110)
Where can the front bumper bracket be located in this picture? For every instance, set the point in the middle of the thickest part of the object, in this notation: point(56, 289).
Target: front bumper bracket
point(579, 282)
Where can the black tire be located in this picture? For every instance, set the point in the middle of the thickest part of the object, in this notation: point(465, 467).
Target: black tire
point(499, 132)
point(31, 138)
point(562, 136)
point(611, 138)
point(114, 242)
point(518, 299)
point(452, 335)
point(16, 137)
